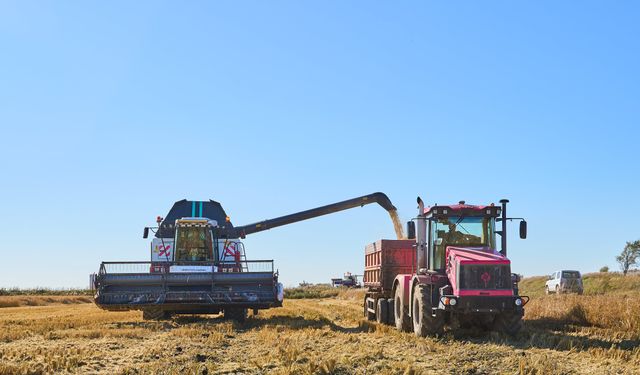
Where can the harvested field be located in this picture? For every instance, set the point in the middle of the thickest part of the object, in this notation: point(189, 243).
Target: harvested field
point(590, 334)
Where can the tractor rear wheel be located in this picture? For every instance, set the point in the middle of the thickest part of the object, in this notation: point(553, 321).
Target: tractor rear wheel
point(424, 322)
point(155, 313)
point(508, 322)
point(401, 313)
point(382, 311)
point(235, 313)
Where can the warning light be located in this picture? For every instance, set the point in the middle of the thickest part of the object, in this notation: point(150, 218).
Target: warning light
point(227, 219)
point(159, 219)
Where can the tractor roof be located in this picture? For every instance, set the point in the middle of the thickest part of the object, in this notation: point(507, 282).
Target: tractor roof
point(462, 209)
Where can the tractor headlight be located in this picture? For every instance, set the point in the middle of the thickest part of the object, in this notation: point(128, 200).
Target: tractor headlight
point(453, 302)
point(518, 302)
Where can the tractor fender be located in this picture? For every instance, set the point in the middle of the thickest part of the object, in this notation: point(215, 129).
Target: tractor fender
point(404, 283)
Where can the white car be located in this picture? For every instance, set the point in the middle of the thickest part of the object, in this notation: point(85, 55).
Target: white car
point(565, 281)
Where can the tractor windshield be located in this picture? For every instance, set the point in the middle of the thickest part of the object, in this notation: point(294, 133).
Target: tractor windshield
point(463, 231)
point(193, 244)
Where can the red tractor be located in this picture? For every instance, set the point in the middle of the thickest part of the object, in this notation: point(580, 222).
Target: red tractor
point(451, 275)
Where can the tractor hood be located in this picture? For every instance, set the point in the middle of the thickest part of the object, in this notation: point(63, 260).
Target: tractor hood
point(478, 271)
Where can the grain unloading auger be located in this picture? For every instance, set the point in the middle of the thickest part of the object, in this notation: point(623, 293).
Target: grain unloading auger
point(198, 264)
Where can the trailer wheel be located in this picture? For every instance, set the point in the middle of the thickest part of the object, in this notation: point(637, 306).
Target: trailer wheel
point(424, 323)
point(155, 313)
point(235, 313)
point(391, 318)
point(401, 313)
point(382, 311)
point(508, 322)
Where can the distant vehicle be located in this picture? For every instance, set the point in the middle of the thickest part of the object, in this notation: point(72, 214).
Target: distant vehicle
point(349, 280)
point(565, 281)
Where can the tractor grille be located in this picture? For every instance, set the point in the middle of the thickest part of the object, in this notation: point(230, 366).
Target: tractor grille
point(485, 277)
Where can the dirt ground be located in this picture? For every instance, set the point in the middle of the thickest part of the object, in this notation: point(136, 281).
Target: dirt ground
point(306, 336)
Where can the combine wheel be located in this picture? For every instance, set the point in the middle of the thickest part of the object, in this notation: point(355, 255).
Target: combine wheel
point(508, 322)
point(382, 311)
point(424, 323)
point(546, 290)
point(155, 313)
point(401, 313)
point(238, 314)
point(557, 289)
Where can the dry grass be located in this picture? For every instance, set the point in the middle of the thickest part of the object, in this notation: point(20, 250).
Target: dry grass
point(563, 334)
point(38, 300)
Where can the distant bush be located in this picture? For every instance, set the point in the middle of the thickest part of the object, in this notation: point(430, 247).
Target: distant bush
point(312, 291)
point(44, 292)
point(604, 269)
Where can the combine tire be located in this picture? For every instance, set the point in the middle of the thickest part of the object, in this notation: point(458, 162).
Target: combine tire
point(557, 290)
point(508, 322)
point(424, 323)
point(382, 312)
point(401, 313)
point(155, 313)
point(546, 290)
point(235, 313)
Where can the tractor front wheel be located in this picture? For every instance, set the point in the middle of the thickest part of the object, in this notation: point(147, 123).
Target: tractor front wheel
point(508, 322)
point(424, 321)
point(401, 312)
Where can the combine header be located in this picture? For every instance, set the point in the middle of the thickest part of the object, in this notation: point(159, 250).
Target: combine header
point(198, 264)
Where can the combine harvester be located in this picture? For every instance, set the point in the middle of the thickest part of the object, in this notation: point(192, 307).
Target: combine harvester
point(198, 264)
point(450, 274)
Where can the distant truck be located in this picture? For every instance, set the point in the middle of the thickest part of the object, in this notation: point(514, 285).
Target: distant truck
point(348, 280)
point(565, 281)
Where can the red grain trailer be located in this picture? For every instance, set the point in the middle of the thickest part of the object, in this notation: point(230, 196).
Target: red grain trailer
point(384, 260)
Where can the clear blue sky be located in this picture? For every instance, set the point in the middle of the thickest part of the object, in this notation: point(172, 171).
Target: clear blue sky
point(111, 111)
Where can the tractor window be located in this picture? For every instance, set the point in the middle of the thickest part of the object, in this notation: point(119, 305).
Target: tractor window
point(471, 231)
point(193, 244)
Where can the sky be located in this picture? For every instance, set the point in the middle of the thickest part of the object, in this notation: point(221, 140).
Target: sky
point(112, 111)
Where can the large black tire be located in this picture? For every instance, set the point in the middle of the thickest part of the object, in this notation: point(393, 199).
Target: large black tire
point(391, 318)
point(508, 322)
point(401, 313)
point(235, 313)
point(155, 313)
point(382, 311)
point(424, 323)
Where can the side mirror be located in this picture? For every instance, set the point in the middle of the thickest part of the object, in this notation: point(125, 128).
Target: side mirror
point(145, 234)
point(411, 230)
point(523, 229)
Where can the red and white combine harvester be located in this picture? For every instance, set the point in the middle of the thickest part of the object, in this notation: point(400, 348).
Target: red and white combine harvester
point(452, 273)
point(198, 264)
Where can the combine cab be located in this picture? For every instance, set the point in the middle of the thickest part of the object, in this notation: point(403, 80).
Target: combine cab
point(452, 274)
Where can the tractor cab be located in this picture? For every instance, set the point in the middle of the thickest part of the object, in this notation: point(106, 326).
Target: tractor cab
point(459, 226)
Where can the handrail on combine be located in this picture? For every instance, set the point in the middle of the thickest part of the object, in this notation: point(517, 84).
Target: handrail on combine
point(147, 267)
